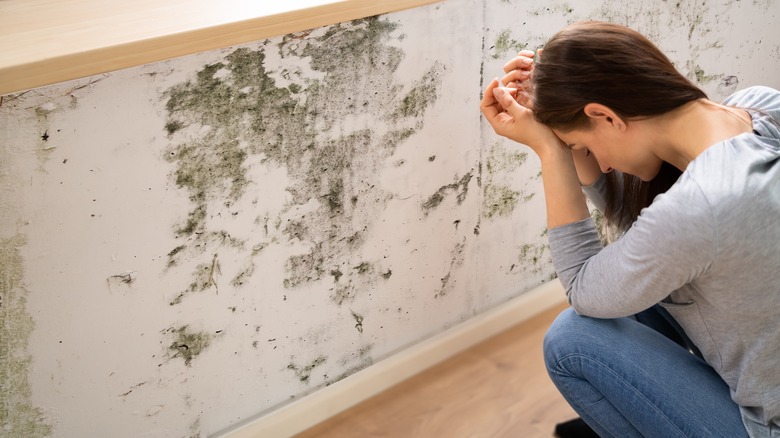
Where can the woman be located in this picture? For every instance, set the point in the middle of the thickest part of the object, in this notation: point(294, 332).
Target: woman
point(602, 98)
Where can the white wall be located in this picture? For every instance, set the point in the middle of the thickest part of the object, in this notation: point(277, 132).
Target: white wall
point(186, 244)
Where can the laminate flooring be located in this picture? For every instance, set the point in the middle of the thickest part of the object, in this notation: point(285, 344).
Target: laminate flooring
point(498, 388)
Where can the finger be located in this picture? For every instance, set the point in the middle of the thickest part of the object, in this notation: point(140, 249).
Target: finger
point(503, 97)
point(489, 105)
point(526, 52)
point(519, 63)
point(516, 76)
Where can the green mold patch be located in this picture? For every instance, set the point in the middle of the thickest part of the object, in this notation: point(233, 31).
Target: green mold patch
point(533, 258)
point(187, 344)
point(505, 44)
point(303, 373)
point(18, 416)
point(702, 77)
point(237, 111)
point(498, 198)
point(422, 95)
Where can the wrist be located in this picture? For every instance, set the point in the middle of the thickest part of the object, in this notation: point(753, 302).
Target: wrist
point(554, 151)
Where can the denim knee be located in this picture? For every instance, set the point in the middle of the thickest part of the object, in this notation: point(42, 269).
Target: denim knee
point(574, 334)
point(558, 337)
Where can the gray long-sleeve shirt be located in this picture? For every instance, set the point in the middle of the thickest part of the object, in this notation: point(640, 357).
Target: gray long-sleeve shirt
point(709, 251)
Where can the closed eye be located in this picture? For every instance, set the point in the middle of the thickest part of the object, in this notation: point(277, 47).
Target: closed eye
point(574, 147)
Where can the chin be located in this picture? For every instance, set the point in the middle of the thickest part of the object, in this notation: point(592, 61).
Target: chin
point(649, 175)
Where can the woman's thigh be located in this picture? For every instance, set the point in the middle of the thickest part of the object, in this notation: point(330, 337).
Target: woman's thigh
point(626, 379)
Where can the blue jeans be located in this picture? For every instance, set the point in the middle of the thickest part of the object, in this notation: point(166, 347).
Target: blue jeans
point(626, 379)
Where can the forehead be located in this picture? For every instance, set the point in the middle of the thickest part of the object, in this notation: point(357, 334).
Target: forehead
point(573, 136)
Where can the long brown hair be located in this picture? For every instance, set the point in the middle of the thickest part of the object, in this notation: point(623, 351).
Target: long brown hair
point(597, 62)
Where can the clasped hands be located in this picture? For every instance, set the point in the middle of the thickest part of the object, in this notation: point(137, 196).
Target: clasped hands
point(509, 110)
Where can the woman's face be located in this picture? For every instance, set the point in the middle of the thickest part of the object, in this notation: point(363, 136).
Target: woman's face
point(614, 150)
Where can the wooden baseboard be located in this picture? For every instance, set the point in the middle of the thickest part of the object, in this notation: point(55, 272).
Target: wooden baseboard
point(327, 402)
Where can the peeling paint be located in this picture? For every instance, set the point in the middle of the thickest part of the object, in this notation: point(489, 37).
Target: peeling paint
point(18, 416)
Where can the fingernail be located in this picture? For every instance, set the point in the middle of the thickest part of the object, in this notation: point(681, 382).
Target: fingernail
point(499, 92)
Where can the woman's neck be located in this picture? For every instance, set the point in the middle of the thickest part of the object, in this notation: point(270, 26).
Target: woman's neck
point(690, 129)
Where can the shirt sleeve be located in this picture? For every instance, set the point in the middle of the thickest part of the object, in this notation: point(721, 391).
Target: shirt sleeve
point(597, 192)
point(673, 242)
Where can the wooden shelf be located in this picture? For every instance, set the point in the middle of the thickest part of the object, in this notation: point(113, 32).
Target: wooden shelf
point(43, 42)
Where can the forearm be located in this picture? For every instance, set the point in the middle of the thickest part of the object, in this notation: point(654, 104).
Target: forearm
point(562, 191)
point(588, 169)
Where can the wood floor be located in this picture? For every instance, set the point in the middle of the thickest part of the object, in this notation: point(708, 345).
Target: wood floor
point(498, 388)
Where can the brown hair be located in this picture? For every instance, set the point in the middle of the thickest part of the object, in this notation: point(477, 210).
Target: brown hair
point(597, 62)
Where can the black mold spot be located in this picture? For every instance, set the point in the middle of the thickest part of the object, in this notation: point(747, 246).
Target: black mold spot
point(188, 344)
point(461, 186)
point(205, 276)
point(172, 255)
point(363, 268)
point(173, 126)
point(303, 373)
point(358, 321)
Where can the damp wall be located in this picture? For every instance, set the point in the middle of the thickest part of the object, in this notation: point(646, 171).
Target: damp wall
point(191, 243)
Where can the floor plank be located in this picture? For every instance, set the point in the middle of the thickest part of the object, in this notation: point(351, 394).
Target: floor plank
point(498, 388)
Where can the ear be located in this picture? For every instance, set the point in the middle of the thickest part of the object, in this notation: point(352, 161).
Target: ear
point(604, 114)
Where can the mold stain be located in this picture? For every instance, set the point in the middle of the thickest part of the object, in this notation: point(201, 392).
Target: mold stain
point(499, 198)
point(505, 44)
point(18, 416)
point(702, 77)
point(303, 373)
point(457, 258)
point(554, 9)
point(364, 361)
point(187, 344)
point(460, 186)
point(235, 109)
point(358, 321)
point(204, 277)
point(422, 95)
point(533, 258)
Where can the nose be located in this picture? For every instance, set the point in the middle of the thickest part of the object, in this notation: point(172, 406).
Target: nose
point(604, 167)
